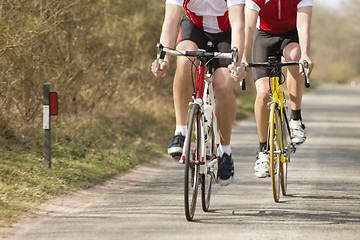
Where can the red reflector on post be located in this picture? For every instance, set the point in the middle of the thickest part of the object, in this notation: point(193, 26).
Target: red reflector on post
point(53, 103)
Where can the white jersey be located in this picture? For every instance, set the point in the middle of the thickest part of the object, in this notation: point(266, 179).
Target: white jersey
point(209, 15)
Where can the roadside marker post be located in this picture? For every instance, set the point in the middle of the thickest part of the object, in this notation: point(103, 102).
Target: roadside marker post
point(50, 107)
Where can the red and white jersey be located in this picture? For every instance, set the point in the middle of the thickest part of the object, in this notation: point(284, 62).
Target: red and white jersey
point(277, 16)
point(209, 15)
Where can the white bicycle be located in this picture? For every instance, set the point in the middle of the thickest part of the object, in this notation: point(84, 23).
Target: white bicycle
point(202, 139)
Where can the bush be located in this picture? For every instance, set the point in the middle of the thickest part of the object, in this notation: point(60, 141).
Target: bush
point(96, 54)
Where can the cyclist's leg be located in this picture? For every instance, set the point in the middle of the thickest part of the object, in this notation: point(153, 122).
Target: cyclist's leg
point(183, 88)
point(190, 38)
point(295, 85)
point(225, 114)
point(261, 108)
point(225, 107)
point(225, 103)
point(265, 45)
point(223, 84)
point(295, 82)
point(262, 164)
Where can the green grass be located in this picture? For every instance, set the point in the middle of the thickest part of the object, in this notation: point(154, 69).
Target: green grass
point(245, 105)
point(84, 153)
point(82, 156)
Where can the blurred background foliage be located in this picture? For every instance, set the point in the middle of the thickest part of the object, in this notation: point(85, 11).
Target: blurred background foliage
point(335, 44)
point(97, 55)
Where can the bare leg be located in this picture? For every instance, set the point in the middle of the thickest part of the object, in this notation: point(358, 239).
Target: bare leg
point(182, 88)
point(295, 82)
point(225, 103)
point(261, 108)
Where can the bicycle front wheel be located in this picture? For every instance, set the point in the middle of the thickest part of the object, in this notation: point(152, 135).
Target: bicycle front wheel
point(192, 165)
point(275, 150)
point(287, 153)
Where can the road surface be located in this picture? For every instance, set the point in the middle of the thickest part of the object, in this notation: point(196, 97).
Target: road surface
point(323, 187)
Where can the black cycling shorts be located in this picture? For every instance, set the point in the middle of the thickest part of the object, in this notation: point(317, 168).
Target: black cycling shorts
point(222, 41)
point(266, 45)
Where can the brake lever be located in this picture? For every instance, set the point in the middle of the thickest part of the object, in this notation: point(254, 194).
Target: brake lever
point(160, 55)
point(235, 59)
point(242, 83)
point(306, 69)
point(234, 52)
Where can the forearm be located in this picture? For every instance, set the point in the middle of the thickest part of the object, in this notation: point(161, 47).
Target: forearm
point(303, 25)
point(251, 17)
point(249, 33)
point(237, 20)
point(170, 27)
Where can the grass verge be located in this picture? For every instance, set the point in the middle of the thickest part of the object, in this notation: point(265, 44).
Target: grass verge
point(84, 154)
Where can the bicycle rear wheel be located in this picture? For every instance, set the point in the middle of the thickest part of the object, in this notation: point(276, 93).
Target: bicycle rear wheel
point(192, 165)
point(283, 176)
point(209, 174)
point(275, 150)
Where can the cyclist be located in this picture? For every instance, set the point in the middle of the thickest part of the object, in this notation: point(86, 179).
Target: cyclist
point(283, 30)
point(204, 20)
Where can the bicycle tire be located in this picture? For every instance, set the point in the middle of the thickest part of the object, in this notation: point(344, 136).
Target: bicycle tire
point(283, 177)
point(192, 166)
point(288, 149)
point(208, 176)
point(275, 151)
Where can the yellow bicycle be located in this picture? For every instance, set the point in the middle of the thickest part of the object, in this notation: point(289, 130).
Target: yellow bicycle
point(279, 139)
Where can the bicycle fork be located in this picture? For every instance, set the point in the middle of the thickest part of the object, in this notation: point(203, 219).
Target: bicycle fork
point(278, 98)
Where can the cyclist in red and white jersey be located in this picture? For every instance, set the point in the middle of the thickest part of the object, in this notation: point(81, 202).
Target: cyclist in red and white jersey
point(283, 30)
point(204, 20)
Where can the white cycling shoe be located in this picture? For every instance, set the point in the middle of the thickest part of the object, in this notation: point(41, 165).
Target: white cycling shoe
point(297, 128)
point(262, 165)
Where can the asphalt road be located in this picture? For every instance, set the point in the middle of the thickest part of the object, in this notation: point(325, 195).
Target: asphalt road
point(323, 187)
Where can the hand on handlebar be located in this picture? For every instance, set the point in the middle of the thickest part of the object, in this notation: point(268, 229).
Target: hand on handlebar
point(306, 67)
point(159, 70)
point(240, 72)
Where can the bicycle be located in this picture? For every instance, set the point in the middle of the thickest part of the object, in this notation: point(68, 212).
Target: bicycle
point(280, 145)
point(202, 138)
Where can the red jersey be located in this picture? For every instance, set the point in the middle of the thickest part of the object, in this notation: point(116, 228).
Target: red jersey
point(277, 16)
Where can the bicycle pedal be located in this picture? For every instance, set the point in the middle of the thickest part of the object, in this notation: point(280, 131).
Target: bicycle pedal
point(176, 156)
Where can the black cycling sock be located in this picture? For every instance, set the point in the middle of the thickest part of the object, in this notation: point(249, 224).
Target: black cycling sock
point(262, 146)
point(296, 114)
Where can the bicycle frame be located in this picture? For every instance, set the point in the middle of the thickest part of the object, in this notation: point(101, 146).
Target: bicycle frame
point(204, 92)
point(277, 95)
